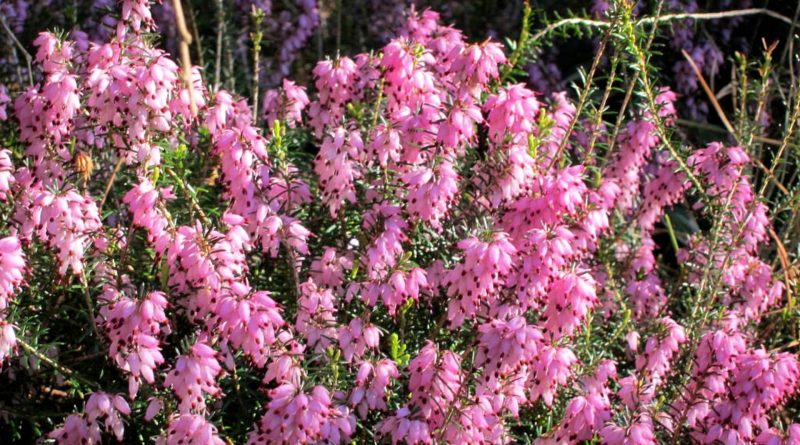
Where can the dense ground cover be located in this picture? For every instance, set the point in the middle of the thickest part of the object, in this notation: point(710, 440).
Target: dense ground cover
point(352, 222)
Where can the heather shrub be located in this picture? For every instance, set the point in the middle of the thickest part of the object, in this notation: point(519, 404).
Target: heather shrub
point(215, 231)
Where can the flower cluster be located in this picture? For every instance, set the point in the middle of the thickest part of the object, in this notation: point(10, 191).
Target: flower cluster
point(103, 412)
point(133, 328)
point(415, 248)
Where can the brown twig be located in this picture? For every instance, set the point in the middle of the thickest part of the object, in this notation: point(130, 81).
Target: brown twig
point(711, 96)
point(186, 61)
point(67, 372)
point(24, 52)
point(218, 55)
point(709, 127)
point(718, 108)
point(87, 296)
point(196, 34)
point(783, 256)
point(110, 182)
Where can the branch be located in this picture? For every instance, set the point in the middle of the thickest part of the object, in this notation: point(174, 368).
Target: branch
point(256, 36)
point(641, 59)
point(728, 126)
point(218, 54)
point(709, 127)
point(783, 256)
point(67, 372)
point(584, 96)
point(716, 15)
point(196, 35)
point(711, 96)
point(664, 18)
point(571, 21)
point(87, 296)
point(186, 61)
point(293, 262)
point(110, 182)
point(189, 196)
point(25, 53)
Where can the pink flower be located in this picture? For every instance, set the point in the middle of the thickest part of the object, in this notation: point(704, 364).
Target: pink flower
point(332, 81)
point(401, 287)
point(475, 280)
point(335, 164)
point(372, 382)
point(144, 202)
point(662, 191)
point(639, 432)
point(133, 328)
point(200, 268)
point(665, 100)
point(437, 186)
point(101, 411)
point(136, 14)
point(571, 298)
point(644, 285)
point(6, 174)
point(552, 368)
point(459, 127)
point(476, 424)
point(286, 104)
point(316, 316)
point(190, 429)
point(250, 322)
point(636, 143)
point(504, 345)
point(8, 341)
point(356, 337)
point(12, 269)
point(585, 414)
point(510, 169)
point(431, 192)
point(758, 381)
point(773, 436)
point(286, 364)
point(722, 169)
point(328, 270)
point(387, 247)
point(385, 145)
point(512, 111)
point(153, 407)
point(435, 380)
point(295, 416)
point(66, 221)
point(195, 375)
point(408, 82)
point(4, 101)
point(405, 429)
point(656, 358)
point(753, 290)
point(476, 65)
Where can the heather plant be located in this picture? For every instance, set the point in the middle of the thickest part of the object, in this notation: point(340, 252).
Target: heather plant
point(406, 245)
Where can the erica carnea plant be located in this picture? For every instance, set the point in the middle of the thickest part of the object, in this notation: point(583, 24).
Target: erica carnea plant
point(410, 244)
